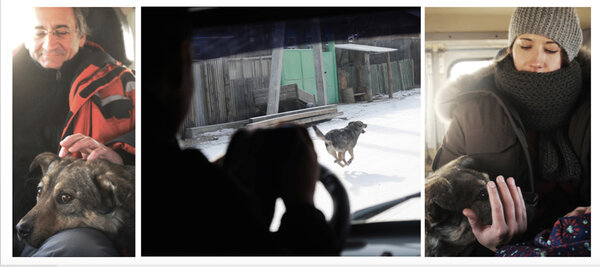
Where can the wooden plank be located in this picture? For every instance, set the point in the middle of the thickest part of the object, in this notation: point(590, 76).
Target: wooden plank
point(276, 66)
point(195, 131)
point(271, 116)
point(389, 73)
point(315, 30)
point(297, 118)
point(230, 97)
point(198, 102)
point(209, 93)
point(304, 96)
point(287, 92)
point(368, 77)
point(328, 116)
point(292, 117)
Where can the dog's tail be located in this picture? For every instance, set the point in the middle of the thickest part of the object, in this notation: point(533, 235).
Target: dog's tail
point(319, 133)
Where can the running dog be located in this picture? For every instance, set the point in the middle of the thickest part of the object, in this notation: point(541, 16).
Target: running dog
point(448, 191)
point(79, 193)
point(338, 141)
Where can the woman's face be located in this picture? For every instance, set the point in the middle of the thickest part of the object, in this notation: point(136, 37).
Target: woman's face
point(536, 53)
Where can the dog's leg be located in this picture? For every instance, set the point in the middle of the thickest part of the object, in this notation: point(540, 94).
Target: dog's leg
point(351, 151)
point(338, 160)
point(342, 157)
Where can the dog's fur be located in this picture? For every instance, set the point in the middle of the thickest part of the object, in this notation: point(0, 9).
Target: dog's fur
point(78, 193)
point(449, 190)
point(338, 141)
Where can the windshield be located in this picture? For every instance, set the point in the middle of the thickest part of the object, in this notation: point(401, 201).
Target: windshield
point(232, 70)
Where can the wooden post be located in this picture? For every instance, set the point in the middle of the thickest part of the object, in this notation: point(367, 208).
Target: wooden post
point(276, 65)
point(389, 69)
point(230, 107)
point(198, 102)
point(369, 83)
point(315, 29)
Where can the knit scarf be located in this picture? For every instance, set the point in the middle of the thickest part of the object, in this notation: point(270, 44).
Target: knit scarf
point(545, 103)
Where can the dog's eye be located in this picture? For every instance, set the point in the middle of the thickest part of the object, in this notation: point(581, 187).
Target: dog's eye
point(64, 198)
point(38, 194)
point(483, 194)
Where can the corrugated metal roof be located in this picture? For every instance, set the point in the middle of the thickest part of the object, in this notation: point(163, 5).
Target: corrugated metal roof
point(365, 48)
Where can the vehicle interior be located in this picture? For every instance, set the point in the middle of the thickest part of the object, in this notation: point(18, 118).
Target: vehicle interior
point(460, 40)
point(248, 32)
point(113, 28)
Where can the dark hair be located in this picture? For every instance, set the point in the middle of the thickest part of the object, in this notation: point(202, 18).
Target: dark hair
point(564, 58)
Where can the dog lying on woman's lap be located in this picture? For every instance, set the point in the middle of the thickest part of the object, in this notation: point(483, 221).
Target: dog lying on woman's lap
point(452, 188)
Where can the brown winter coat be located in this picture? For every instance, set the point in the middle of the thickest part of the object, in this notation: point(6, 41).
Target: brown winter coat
point(487, 128)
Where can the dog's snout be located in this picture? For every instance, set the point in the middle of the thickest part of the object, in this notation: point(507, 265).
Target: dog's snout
point(24, 229)
point(530, 198)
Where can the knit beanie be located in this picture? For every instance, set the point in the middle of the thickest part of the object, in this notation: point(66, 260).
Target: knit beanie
point(560, 24)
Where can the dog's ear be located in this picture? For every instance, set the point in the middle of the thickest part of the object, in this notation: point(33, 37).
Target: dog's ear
point(439, 200)
point(43, 160)
point(116, 191)
point(466, 161)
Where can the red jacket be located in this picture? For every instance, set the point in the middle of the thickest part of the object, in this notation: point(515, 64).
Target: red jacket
point(102, 102)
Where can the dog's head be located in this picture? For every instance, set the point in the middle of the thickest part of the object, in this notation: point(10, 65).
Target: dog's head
point(78, 193)
point(448, 191)
point(359, 125)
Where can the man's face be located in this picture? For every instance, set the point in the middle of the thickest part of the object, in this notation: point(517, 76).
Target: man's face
point(54, 36)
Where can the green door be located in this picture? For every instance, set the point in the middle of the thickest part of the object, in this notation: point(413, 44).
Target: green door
point(299, 68)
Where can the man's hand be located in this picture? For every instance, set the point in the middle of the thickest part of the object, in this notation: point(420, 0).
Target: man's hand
point(509, 218)
point(87, 148)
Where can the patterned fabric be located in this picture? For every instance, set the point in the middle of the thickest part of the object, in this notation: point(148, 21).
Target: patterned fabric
point(570, 236)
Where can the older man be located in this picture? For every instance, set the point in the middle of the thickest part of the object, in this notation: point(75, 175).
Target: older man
point(69, 97)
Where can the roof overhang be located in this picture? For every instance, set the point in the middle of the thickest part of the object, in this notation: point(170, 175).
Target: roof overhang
point(365, 48)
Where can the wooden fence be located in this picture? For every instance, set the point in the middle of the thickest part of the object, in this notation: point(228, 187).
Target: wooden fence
point(224, 87)
point(402, 76)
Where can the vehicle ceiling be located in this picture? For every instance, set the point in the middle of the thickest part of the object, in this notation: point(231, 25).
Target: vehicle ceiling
point(477, 19)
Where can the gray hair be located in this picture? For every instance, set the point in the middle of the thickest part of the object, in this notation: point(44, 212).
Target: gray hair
point(80, 14)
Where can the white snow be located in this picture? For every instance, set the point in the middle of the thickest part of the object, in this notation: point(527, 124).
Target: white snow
point(387, 163)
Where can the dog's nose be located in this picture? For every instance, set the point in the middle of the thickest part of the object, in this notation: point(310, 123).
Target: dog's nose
point(530, 198)
point(23, 229)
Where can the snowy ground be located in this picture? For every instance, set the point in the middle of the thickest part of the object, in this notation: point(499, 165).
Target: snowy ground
point(388, 161)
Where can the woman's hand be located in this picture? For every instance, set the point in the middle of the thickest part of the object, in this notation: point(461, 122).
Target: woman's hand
point(509, 218)
point(578, 211)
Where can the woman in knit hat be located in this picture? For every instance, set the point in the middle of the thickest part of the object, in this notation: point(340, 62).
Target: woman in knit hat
point(525, 117)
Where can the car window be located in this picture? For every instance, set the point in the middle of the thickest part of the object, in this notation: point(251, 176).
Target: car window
point(233, 62)
point(467, 66)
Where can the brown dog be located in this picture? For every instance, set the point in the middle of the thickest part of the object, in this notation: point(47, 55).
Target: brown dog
point(448, 191)
point(338, 141)
point(78, 193)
